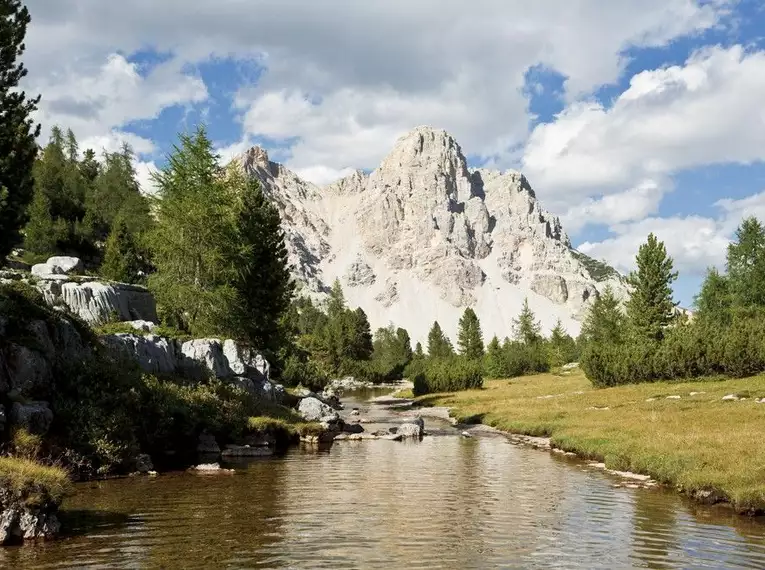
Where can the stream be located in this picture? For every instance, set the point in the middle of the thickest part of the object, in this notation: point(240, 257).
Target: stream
point(448, 501)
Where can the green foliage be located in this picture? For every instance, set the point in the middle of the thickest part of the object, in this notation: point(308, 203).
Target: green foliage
point(605, 321)
point(309, 374)
point(598, 270)
point(526, 328)
point(123, 259)
point(263, 282)
point(18, 132)
point(650, 308)
point(439, 345)
point(25, 444)
point(561, 346)
point(469, 336)
point(194, 243)
point(448, 375)
point(714, 302)
point(392, 353)
point(746, 264)
point(493, 361)
point(40, 233)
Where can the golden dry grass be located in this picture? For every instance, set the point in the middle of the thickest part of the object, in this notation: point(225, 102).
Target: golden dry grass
point(31, 481)
point(697, 442)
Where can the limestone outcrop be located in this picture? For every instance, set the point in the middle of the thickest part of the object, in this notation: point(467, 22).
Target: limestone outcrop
point(423, 236)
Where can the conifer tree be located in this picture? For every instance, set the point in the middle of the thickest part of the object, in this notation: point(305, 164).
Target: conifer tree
point(195, 240)
point(336, 302)
point(40, 237)
point(404, 343)
point(605, 320)
point(650, 307)
point(439, 345)
point(526, 328)
point(562, 347)
point(714, 301)
point(469, 336)
point(361, 341)
point(493, 362)
point(418, 352)
point(746, 264)
point(122, 257)
point(18, 149)
point(263, 283)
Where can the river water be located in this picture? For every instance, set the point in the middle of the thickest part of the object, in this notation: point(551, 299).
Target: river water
point(444, 502)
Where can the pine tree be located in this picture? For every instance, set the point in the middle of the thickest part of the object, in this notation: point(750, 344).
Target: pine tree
point(89, 167)
point(526, 328)
point(562, 347)
point(493, 361)
point(714, 302)
point(469, 336)
point(439, 345)
point(18, 149)
point(404, 343)
point(418, 352)
point(650, 307)
point(746, 264)
point(336, 302)
point(264, 282)
point(362, 336)
point(194, 243)
point(605, 321)
point(122, 257)
point(40, 237)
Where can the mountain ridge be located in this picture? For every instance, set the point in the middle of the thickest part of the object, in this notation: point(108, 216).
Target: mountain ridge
point(423, 236)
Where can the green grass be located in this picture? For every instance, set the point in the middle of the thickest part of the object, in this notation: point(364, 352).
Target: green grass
point(281, 428)
point(695, 443)
point(33, 482)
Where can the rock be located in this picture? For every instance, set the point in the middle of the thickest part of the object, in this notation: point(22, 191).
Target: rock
point(466, 434)
point(97, 303)
point(43, 270)
point(413, 428)
point(313, 410)
point(246, 451)
point(650, 399)
point(434, 236)
point(245, 361)
point(392, 436)
point(30, 371)
point(353, 428)
point(65, 265)
point(570, 366)
point(35, 417)
point(154, 354)
point(207, 468)
point(355, 412)
point(674, 397)
point(332, 422)
point(19, 521)
point(696, 393)
point(730, 398)
point(207, 445)
point(143, 463)
point(204, 356)
point(143, 326)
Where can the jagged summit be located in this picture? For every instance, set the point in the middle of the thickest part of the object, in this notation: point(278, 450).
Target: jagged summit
point(423, 236)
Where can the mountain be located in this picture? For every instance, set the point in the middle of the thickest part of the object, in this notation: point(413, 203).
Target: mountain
point(423, 236)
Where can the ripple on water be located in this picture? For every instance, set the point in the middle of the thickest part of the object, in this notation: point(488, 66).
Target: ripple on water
point(446, 502)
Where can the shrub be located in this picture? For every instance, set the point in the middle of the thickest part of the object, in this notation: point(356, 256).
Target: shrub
point(309, 374)
point(448, 375)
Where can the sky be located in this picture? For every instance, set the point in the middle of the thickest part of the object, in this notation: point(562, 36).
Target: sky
point(627, 116)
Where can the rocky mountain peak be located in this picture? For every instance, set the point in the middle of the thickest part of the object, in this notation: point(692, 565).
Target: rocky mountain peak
point(423, 236)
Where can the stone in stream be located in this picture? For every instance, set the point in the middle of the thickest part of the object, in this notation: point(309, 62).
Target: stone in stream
point(353, 428)
point(412, 428)
point(246, 451)
point(207, 445)
point(312, 409)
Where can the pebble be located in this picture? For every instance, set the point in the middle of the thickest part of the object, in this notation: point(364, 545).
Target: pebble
point(673, 397)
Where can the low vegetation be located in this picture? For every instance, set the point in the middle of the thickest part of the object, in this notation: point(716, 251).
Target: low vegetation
point(32, 482)
point(698, 442)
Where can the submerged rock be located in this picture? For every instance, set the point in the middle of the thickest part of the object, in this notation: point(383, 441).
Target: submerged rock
point(246, 451)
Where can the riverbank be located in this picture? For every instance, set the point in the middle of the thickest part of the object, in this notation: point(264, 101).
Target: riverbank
point(701, 438)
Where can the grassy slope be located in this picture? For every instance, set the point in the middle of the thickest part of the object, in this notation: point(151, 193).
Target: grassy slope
point(696, 443)
point(32, 481)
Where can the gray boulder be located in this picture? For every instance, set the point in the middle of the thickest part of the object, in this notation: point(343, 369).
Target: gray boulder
point(245, 361)
point(35, 417)
point(64, 264)
point(43, 270)
point(154, 354)
point(313, 409)
point(143, 463)
point(205, 355)
point(30, 371)
point(143, 326)
point(412, 428)
point(332, 422)
point(353, 428)
point(207, 445)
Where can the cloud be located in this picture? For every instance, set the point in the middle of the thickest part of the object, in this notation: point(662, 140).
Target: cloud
point(344, 79)
point(707, 111)
point(694, 242)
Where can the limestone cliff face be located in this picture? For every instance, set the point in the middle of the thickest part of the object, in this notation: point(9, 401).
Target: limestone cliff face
point(423, 236)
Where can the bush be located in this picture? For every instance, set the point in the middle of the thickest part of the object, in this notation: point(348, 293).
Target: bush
point(308, 374)
point(448, 375)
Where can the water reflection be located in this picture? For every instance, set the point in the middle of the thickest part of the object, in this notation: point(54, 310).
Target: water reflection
point(445, 502)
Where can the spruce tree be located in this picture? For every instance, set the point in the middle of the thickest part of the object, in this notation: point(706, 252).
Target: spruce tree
point(526, 328)
point(562, 347)
point(605, 321)
point(404, 343)
point(264, 283)
point(418, 352)
point(40, 238)
point(122, 257)
point(493, 361)
point(714, 301)
point(336, 301)
point(194, 242)
point(18, 149)
point(650, 307)
point(746, 264)
point(361, 341)
point(469, 336)
point(439, 345)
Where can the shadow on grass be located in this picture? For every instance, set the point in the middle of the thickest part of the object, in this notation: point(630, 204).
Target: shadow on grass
point(82, 522)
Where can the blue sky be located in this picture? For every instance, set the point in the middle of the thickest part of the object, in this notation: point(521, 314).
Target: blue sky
point(627, 117)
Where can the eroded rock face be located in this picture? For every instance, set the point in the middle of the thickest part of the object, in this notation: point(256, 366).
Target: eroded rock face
point(439, 236)
point(154, 354)
point(205, 355)
point(35, 417)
